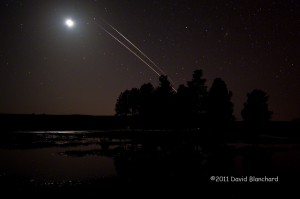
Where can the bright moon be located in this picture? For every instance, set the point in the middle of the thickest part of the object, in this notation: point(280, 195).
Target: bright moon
point(69, 23)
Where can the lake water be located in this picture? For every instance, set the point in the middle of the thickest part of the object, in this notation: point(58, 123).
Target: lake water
point(48, 164)
point(54, 157)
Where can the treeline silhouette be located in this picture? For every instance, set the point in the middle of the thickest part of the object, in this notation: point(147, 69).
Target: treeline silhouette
point(191, 106)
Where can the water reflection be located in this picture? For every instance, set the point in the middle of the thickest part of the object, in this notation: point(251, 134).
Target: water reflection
point(53, 159)
point(48, 164)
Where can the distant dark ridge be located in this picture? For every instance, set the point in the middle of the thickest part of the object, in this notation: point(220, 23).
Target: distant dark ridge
point(35, 122)
point(23, 122)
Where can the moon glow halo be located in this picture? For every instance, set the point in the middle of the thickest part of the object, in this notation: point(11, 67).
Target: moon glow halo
point(70, 23)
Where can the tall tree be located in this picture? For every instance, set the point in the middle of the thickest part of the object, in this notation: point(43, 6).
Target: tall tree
point(146, 100)
point(197, 93)
point(134, 101)
point(122, 105)
point(183, 107)
point(219, 105)
point(165, 87)
point(128, 103)
point(256, 108)
point(164, 100)
point(182, 102)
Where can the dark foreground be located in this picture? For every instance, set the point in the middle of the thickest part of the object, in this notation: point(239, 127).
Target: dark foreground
point(147, 163)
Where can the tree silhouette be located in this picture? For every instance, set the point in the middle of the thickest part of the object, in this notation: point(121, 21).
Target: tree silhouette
point(256, 108)
point(219, 105)
point(146, 100)
point(122, 105)
point(197, 94)
point(164, 101)
point(128, 103)
point(183, 105)
point(162, 105)
point(134, 102)
point(192, 106)
point(165, 88)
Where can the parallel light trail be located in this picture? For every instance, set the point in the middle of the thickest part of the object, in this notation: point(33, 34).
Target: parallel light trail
point(134, 53)
point(128, 49)
point(134, 46)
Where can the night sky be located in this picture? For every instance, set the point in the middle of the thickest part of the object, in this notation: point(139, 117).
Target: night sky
point(48, 68)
